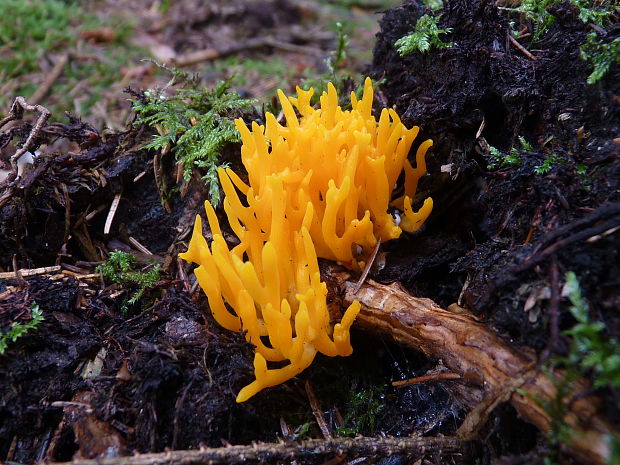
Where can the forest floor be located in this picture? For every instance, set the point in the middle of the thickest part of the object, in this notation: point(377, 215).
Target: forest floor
point(103, 359)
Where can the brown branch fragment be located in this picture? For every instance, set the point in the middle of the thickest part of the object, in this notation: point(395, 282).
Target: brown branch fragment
point(483, 359)
point(426, 379)
point(521, 48)
point(272, 453)
point(30, 272)
point(368, 266)
point(51, 78)
point(209, 54)
point(16, 112)
point(317, 412)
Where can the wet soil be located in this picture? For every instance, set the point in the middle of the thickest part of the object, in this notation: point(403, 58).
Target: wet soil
point(101, 377)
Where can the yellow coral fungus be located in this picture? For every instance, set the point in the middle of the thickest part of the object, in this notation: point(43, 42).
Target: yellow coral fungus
point(346, 163)
point(276, 294)
point(319, 186)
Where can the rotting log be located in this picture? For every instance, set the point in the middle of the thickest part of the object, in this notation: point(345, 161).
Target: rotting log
point(482, 358)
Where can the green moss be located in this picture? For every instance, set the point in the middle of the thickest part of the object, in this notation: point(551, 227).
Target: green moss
point(592, 355)
point(32, 29)
point(598, 52)
point(196, 123)
point(43, 30)
point(361, 410)
point(119, 269)
point(600, 55)
point(424, 37)
point(19, 329)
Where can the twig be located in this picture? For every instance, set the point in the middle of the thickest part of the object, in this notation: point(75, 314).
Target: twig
point(425, 379)
point(30, 272)
point(183, 275)
point(316, 410)
point(605, 211)
point(17, 274)
point(553, 312)
point(579, 236)
point(598, 237)
point(280, 452)
point(160, 181)
point(368, 266)
point(51, 78)
point(139, 246)
point(16, 112)
point(140, 176)
point(608, 213)
point(521, 48)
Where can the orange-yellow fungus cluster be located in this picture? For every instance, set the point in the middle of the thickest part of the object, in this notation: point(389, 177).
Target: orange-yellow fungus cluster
point(344, 163)
point(276, 292)
point(319, 186)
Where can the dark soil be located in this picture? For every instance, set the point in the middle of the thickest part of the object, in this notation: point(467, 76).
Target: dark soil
point(162, 374)
point(507, 216)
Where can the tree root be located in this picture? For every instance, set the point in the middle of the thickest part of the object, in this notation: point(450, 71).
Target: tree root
point(487, 363)
point(283, 451)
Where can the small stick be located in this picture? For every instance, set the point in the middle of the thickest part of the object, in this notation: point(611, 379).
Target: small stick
point(73, 268)
point(180, 169)
point(186, 284)
point(94, 213)
point(522, 48)
point(480, 129)
point(137, 178)
point(80, 276)
point(193, 289)
point(17, 274)
point(16, 112)
point(598, 237)
point(425, 379)
point(316, 410)
point(81, 405)
point(371, 260)
point(51, 78)
point(30, 272)
point(139, 246)
point(283, 451)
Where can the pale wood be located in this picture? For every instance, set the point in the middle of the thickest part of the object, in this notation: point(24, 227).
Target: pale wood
point(470, 348)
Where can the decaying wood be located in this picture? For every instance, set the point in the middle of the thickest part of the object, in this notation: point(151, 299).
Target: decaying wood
point(276, 453)
point(483, 359)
